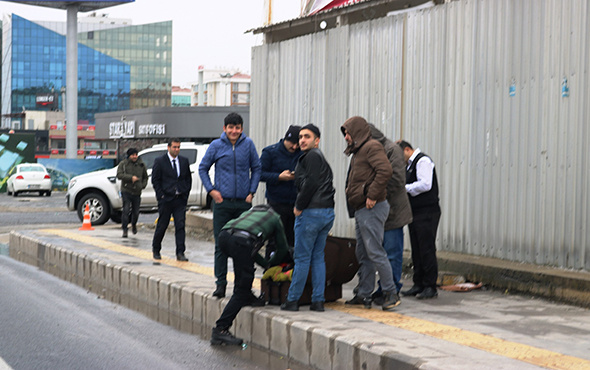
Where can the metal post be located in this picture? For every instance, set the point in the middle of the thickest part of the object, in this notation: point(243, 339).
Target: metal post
point(201, 95)
point(72, 82)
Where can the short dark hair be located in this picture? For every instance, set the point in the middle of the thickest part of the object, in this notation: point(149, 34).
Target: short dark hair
point(404, 144)
point(173, 140)
point(233, 119)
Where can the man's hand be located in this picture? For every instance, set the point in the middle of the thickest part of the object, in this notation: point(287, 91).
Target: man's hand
point(249, 198)
point(134, 178)
point(296, 212)
point(216, 195)
point(370, 203)
point(286, 175)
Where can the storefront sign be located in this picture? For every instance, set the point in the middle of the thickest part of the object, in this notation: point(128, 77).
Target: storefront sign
point(123, 129)
point(156, 129)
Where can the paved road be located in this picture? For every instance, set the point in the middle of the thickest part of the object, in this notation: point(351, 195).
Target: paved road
point(46, 323)
point(33, 209)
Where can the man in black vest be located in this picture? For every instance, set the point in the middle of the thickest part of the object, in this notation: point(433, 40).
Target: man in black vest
point(422, 189)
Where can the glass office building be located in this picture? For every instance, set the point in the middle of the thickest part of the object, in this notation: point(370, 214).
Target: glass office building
point(120, 66)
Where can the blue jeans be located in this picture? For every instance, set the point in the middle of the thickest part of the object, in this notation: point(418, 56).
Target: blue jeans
point(393, 243)
point(311, 230)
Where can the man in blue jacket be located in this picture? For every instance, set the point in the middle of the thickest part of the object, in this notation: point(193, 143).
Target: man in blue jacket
point(237, 173)
point(278, 171)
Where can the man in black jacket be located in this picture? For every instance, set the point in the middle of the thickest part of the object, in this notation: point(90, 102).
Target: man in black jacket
point(314, 217)
point(172, 181)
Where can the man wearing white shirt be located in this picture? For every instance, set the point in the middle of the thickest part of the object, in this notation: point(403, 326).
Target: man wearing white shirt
point(422, 189)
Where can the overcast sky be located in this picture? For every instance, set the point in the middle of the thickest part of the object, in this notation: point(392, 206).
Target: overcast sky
point(205, 32)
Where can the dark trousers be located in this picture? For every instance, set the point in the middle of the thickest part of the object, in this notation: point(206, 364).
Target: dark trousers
point(176, 208)
point(130, 209)
point(222, 213)
point(240, 250)
point(285, 211)
point(423, 238)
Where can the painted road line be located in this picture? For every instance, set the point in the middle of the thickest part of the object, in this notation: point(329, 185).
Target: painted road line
point(517, 351)
point(139, 253)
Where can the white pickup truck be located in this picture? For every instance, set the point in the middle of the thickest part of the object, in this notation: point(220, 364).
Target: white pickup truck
point(101, 189)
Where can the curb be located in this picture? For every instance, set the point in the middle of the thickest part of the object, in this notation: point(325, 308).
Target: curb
point(171, 296)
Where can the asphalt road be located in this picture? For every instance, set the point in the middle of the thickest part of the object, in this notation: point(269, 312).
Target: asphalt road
point(46, 323)
point(33, 209)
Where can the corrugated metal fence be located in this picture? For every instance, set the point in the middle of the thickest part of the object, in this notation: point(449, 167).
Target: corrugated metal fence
point(477, 84)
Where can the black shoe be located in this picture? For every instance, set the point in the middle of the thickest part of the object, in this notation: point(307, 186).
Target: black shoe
point(377, 298)
point(290, 306)
point(223, 336)
point(390, 300)
point(157, 255)
point(416, 289)
point(181, 257)
point(427, 293)
point(219, 292)
point(356, 300)
point(317, 306)
point(258, 301)
point(124, 233)
point(134, 229)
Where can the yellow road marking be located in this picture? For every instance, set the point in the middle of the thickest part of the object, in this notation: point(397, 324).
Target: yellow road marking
point(517, 351)
point(101, 243)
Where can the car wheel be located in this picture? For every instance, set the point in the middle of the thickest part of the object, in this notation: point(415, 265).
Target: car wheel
point(8, 192)
point(48, 193)
point(15, 193)
point(41, 193)
point(98, 207)
point(116, 217)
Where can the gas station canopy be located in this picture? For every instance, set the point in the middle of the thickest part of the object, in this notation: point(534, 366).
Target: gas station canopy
point(83, 5)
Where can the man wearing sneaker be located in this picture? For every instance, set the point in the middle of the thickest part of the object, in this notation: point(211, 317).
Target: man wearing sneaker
point(241, 239)
point(134, 178)
point(400, 213)
point(366, 191)
point(314, 217)
point(422, 188)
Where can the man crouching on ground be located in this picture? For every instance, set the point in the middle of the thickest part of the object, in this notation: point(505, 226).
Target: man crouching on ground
point(241, 239)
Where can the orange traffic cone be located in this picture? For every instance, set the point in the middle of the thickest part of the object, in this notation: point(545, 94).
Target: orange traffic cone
point(86, 225)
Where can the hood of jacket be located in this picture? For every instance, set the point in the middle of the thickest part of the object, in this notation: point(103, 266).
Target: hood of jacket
point(359, 131)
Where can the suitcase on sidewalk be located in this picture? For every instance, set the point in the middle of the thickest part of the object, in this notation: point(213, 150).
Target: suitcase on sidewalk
point(341, 267)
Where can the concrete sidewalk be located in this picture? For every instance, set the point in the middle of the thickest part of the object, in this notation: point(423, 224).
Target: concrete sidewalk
point(480, 329)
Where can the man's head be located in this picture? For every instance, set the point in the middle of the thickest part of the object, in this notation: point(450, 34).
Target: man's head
point(233, 125)
point(132, 154)
point(309, 137)
point(291, 140)
point(174, 147)
point(408, 150)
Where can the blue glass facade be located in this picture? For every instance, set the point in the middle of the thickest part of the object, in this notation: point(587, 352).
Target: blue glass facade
point(108, 78)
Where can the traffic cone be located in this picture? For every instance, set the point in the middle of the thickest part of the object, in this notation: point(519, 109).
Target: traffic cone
point(86, 225)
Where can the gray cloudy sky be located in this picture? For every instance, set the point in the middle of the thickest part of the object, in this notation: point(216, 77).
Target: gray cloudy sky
point(205, 32)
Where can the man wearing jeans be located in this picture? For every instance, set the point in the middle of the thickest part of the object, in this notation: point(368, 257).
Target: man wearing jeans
point(314, 217)
point(366, 198)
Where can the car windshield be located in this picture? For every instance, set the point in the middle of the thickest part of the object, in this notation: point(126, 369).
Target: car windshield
point(149, 158)
point(31, 169)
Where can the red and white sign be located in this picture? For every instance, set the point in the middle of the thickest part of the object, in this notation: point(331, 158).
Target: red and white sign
point(315, 6)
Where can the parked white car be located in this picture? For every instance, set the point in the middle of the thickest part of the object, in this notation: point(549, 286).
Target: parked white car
point(29, 178)
point(101, 189)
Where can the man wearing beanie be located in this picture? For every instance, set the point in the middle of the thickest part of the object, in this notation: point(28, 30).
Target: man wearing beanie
point(314, 217)
point(366, 200)
point(278, 163)
point(134, 178)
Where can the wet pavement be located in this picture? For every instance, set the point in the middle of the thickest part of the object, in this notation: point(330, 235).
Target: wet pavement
point(478, 329)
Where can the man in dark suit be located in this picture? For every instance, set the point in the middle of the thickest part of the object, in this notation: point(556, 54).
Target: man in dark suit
point(171, 178)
